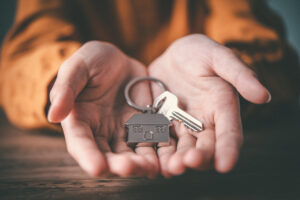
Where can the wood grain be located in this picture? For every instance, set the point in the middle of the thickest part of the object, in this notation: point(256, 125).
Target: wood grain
point(35, 165)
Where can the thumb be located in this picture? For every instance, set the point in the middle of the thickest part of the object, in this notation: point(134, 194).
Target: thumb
point(228, 66)
point(71, 79)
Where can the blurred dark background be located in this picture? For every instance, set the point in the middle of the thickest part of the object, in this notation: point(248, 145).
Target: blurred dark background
point(289, 10)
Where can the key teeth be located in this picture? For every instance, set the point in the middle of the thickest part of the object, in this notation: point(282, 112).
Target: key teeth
point(194, 129)
point(188, 123)
point(190, 128)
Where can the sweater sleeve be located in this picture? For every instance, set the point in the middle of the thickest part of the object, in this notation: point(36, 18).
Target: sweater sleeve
point(256, 34)
point(41, 38)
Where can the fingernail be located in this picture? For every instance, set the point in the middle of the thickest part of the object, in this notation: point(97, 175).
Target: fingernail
point(222, 165)
point(269, 97)
point(48, 116)
point(53, 102)
point(51, 96)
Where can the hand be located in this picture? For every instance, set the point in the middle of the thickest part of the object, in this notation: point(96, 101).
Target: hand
point(87, 98)
point(201, 73)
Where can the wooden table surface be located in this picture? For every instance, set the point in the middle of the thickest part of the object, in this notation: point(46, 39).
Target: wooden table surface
point(35, 165)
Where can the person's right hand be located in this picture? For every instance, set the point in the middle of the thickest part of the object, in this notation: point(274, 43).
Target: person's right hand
point(87, 98)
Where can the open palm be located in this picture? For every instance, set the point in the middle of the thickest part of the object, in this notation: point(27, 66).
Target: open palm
point(88, 99)
point(201, 72)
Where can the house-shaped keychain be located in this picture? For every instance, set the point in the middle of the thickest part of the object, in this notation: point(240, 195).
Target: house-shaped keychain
point(148, 127)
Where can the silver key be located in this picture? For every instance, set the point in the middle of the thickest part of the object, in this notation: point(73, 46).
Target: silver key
point(167, 104)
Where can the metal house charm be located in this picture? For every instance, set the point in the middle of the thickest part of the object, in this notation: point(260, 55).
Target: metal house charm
point(152, 125)
point(148, 127)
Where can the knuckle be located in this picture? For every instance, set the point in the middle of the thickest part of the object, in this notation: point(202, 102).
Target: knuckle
point(92, 43)
point(64, 64)
point(102, 47)
point(95, 53)
point(252, 73)
point(189, 48)
point(156, 67)
point(228, 140)
point(192, 38)
point(227, 52)
point(71, 63)
point(223, 85)
point(196, 37)
point(232, 137)
point(188, 40)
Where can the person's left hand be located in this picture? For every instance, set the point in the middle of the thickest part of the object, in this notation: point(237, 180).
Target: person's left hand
point(200, 72)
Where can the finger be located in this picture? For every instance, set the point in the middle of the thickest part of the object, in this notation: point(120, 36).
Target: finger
point(228, 137)
point(148, 152)
point(120, 164)
point(127, 164)
point(186, 141)
point(119, 159)
point(224, 63)
point(119, 146)
point(164, 152)
point(102, 143)
point(82, 146)
point(138, 165)
point(228, 66)
point(71, 79)
point(143, 167)
point(201, 156)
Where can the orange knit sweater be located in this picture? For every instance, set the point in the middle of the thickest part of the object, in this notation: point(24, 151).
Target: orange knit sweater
point(45, 33)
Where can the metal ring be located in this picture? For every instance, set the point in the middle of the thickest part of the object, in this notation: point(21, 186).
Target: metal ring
point(132, 83)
